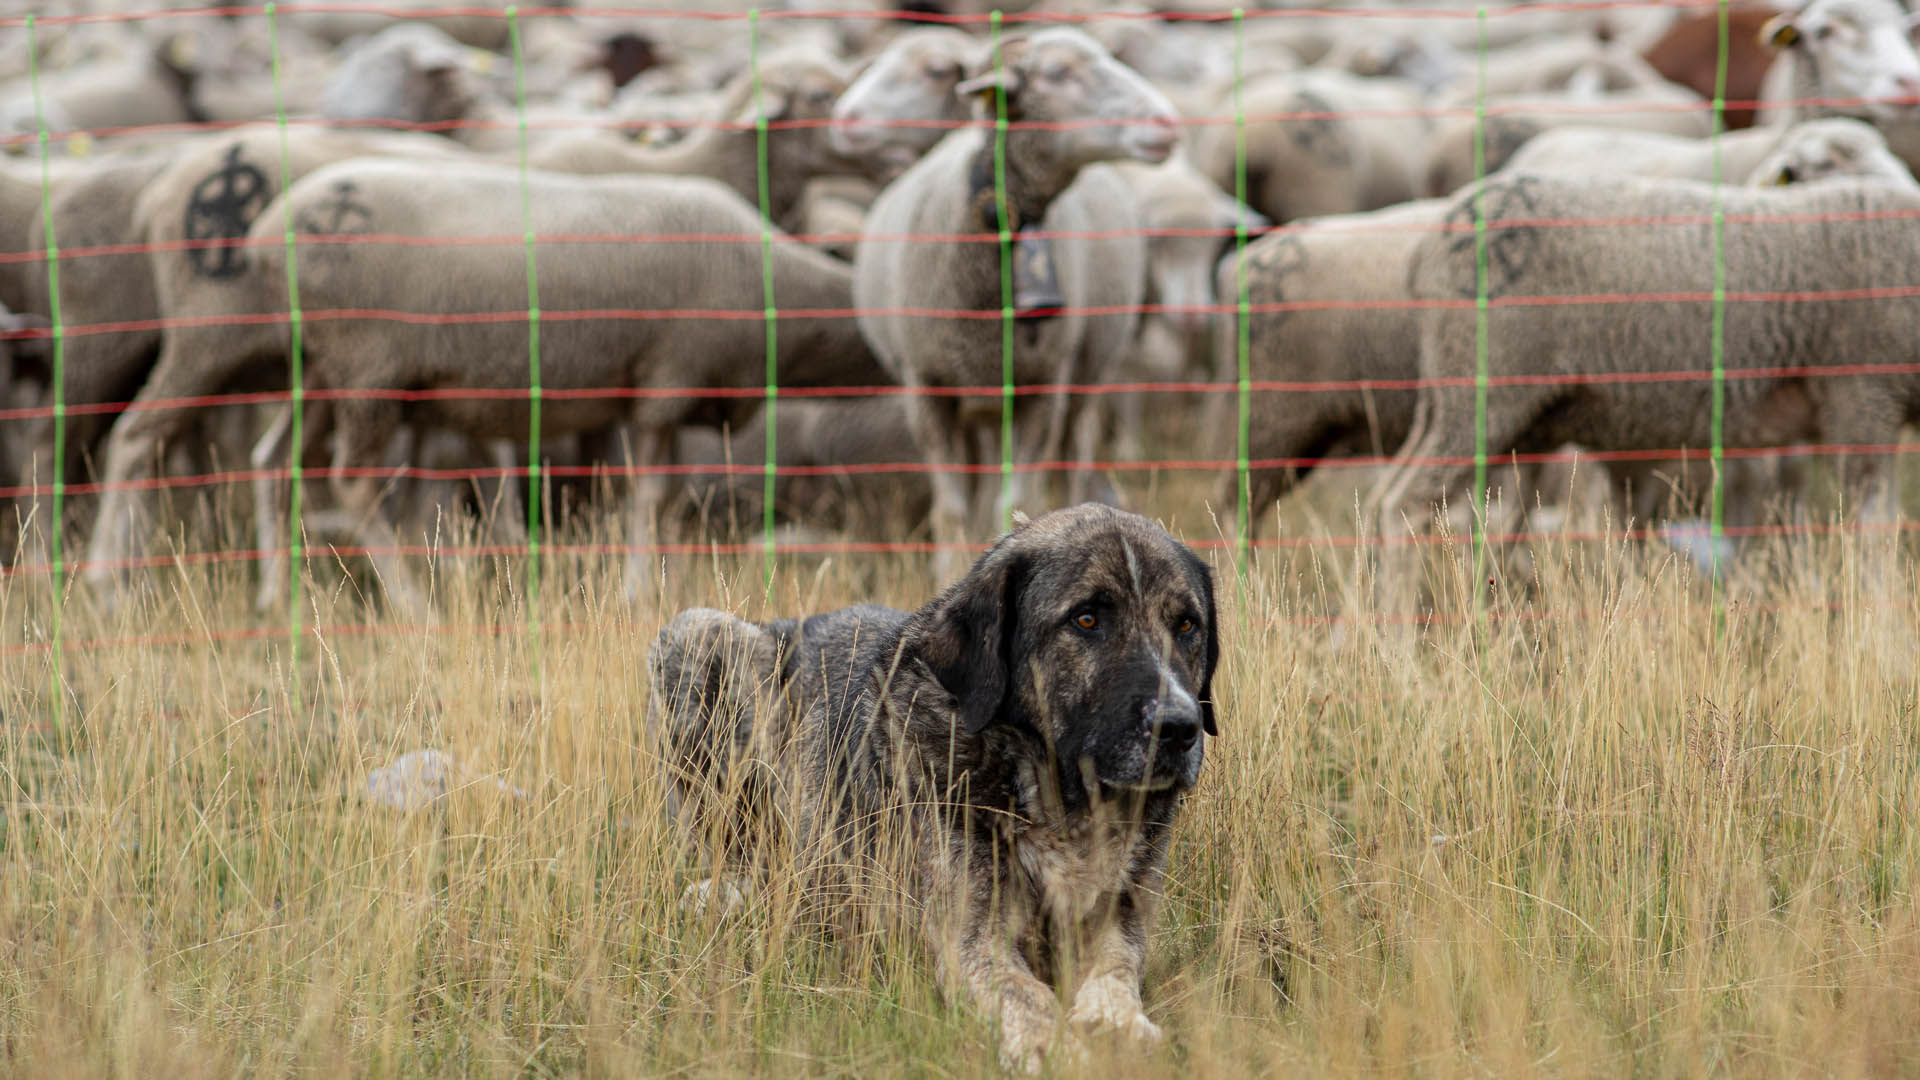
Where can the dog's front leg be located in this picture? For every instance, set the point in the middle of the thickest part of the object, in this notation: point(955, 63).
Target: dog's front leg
point(974, 925)
point(1109, 997)
point(1001, 984)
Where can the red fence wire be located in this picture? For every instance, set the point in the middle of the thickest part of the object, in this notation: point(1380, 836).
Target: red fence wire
point(550, 315)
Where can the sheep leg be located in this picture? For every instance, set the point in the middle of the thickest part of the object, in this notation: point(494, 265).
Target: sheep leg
point(500, 496)
point(1129, 439)
point(1286, 434)
point(132, 450)
point(270, 495)
point(268, 528)
point(943, 446)
point(649, 447)
point(1419, 478)
point(1087, 483)
point(1863, 412)
point(194, 361)
point(363, 433)
point(1061, 409)
point(1393, 480)
point(1438, 458)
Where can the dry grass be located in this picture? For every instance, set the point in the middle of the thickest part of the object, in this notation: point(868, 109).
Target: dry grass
point(1609, 828)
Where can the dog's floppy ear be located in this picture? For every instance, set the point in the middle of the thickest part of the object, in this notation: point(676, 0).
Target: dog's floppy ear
point(1207, 720)
point(969, 644)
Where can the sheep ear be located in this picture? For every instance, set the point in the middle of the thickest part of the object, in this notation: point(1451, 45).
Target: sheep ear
point(1779, 32)
point(1232, 212)
point(434, 59)
point(182, 53)
point(480, 60)
point(983, 85)
point(775, 102)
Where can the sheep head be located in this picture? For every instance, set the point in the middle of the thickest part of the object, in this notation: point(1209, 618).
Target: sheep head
point(1861, 51)
point(1090, 105)
point(797, 92)
point(904, 101)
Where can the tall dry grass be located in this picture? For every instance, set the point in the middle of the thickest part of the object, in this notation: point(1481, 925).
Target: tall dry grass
point(1606, 822)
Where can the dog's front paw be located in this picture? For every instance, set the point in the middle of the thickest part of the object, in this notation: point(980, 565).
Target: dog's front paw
point(713, 898)
point(1027, 1031)
point(1022, 1052)
point(1110, 1005)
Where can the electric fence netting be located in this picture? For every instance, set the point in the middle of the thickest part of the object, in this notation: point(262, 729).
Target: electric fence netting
point(1472, 360)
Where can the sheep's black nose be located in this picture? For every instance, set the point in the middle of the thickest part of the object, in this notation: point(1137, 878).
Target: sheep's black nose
point(1175, 724)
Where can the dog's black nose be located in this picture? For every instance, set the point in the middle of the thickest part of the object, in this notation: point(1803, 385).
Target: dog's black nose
point(1175, 723)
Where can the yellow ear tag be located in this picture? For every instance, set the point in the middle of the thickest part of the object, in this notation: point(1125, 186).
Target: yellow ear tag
point(182, 51)
point(481, 61)
point(79, 144)
point(1779, 33)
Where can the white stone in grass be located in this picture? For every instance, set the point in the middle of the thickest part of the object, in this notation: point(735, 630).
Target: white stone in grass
point(417, 780)
point(1694, 538)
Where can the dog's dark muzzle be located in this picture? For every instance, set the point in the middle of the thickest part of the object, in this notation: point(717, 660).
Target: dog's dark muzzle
point(1174, 726)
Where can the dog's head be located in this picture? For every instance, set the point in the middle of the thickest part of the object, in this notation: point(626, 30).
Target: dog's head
point(1093, 631)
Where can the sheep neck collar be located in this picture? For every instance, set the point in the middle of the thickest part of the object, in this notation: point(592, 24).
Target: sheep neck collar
point(1027, 197)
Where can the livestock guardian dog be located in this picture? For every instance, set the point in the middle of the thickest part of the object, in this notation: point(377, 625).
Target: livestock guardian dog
point(1016, 750)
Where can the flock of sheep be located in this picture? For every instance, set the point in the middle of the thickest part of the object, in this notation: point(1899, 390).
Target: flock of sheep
point(458, 200)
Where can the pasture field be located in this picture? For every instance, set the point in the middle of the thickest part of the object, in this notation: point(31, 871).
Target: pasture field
point(1608, 822)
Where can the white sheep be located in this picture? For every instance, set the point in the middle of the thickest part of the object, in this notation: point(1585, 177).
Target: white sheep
point(1320, 142)
point(1803, 238)
point(1512, 120)
point(796, 90)
point(1088, 108)
point(1809, 150)
point(1189, 221)
point(448, 332)
point(191, 210)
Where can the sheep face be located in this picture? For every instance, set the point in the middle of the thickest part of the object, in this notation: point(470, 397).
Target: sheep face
point(904, 101)
point(411, 73)
point(1859, 50)
point(1190, 219)
point(1819, 149)
point(1105, 110)
point(802, 94)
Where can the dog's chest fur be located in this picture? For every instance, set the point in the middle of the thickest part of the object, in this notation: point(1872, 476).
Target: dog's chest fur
point(1072, 868)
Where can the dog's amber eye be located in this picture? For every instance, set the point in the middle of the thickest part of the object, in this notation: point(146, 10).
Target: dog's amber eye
point(1183, 627)
point(1086, 620)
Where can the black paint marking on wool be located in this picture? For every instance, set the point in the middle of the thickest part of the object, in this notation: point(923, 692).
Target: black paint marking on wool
point(220, 209)
point(1269, 265)
point(341, 215)
point(1318, 131)
point(1510, 248)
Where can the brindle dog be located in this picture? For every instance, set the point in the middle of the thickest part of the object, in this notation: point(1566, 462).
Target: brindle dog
point(1025, 740)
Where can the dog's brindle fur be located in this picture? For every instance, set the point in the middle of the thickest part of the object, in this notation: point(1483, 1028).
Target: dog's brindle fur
point(1029, 735)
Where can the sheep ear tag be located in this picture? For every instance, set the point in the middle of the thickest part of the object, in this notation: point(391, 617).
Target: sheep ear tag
point(1036, 280)
point(983, 87)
